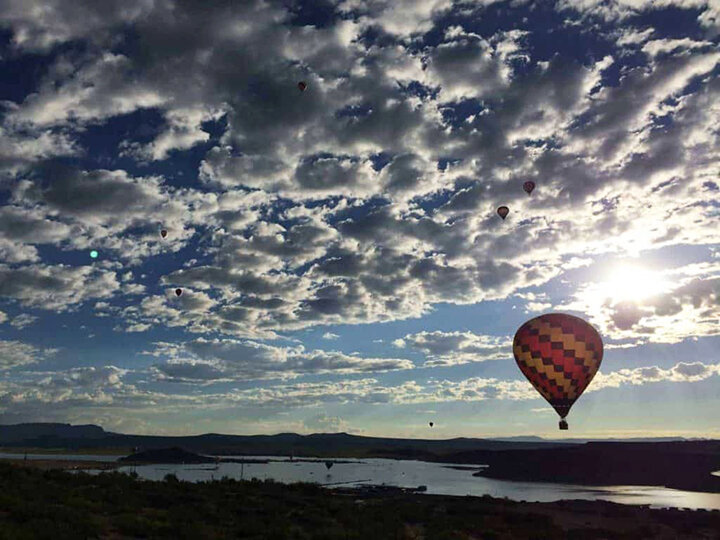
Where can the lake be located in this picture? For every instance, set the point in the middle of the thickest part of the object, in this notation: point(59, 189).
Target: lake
point(438, 478)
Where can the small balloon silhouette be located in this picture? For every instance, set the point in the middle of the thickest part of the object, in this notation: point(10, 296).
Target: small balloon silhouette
point(431, 424)
point(163, 233)
point(178, 292)
point(529, 186)
point(302, 86)
point(503, 211)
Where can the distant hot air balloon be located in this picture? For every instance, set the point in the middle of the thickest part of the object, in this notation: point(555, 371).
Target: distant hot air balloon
point(302, 86)
point(559, 354)
point(431, 424)
point(529, 186)
point(163, 233)
point(503, 211)
point(178, 292)
point(329, 465)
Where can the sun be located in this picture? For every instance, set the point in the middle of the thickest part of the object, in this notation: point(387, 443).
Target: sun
point(632, 283)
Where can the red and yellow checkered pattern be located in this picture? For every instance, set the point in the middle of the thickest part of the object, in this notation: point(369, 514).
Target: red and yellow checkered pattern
point(559, 354)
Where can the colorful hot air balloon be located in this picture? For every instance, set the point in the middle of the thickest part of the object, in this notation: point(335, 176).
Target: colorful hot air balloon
point(559, 354)
point(503, 211)
point(302, 86)
point(163, 233)
point(529, 186)
point(431, 424)
point(178, 292)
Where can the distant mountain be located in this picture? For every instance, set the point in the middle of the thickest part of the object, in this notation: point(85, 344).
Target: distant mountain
point(534, 438)
point(316, 445)
point(42, 434)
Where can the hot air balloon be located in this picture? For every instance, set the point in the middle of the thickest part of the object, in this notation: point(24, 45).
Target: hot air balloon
point(178, 292)
point(431, 424)
point(329, 465)
point(503, 211)
point(302, 86)
point(163, 233)
point(529, 186)
point(559, 354)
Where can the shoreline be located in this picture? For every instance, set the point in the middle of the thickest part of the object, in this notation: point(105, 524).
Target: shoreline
point(105, 466)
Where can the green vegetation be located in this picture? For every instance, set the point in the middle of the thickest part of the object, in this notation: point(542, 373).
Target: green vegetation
point(58, 505)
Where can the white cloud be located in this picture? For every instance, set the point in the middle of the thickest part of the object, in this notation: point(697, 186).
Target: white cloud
point(686, 305)
point(400, 17)
point(16, 353)
point(323, 423)
point(451, 348)
point(230, 359)
point(289, 221)
point(20, 148)
point(359, 269)
point(23, 320)
point(55, 287)
point(680, 372)
point(659, 46)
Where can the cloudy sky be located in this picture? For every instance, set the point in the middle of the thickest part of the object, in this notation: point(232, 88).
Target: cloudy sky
point(341, 261)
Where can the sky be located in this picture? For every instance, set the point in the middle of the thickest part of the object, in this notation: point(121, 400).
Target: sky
point(340, 258)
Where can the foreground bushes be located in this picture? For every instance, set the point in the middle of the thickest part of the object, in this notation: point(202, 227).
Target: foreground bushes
point(59, 505)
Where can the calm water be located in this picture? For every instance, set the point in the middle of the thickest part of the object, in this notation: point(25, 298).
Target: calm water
point(404, 473)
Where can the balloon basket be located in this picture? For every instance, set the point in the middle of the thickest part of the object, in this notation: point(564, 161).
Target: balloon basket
point(563, 424)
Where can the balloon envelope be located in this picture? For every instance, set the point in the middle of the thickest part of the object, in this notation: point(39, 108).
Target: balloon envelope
point(302, 86)
point(163, 233)
point(503, 211)
point(559, 354)
point(178, 292)
point(431, 424)
point(529, 186)
point(329, 465)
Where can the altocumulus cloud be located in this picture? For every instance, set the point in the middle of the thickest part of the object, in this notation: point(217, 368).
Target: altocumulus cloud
point(378, 264)
point(94, 393)
point(680, 372)
point(16, 353)
point(368, 198)
point(204, 360)
point(450, 348)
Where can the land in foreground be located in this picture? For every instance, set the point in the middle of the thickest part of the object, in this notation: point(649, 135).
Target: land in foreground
point(58, 505)
point(686, 465)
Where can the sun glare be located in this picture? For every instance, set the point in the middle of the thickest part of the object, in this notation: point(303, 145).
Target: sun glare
point(633, 283)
